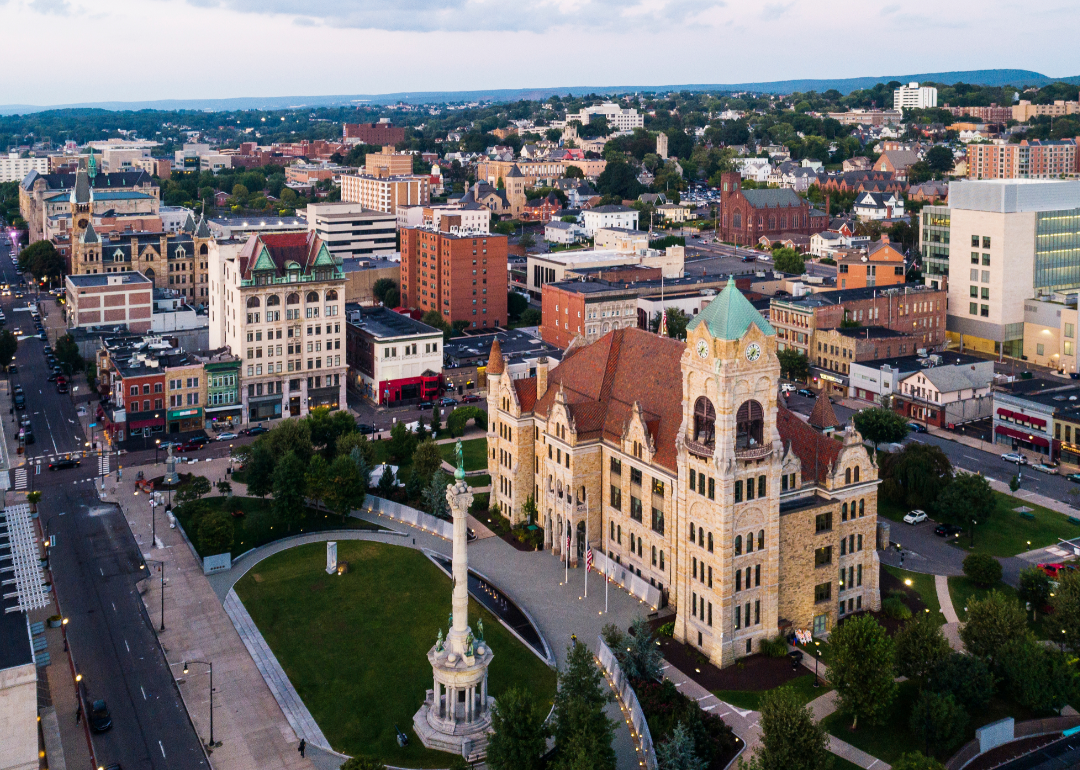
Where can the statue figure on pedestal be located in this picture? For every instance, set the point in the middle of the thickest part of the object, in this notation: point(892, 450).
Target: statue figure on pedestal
point(439, 642)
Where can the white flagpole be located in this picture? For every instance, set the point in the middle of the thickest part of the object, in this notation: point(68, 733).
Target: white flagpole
point(606, 584)
point(586, 549)
point(566, 546)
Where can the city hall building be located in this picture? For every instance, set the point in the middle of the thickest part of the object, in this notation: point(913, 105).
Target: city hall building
point(681, 465)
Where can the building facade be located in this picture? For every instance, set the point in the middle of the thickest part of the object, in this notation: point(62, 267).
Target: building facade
point(1035, 159)
point(278, 303)
point(882, 264)
point(350, 230)
point(385, 193)
point(462, 277)
point(393, 359)
point(15, 169)
point(935, 245)
point(746, 215)
point(676, 461)
point(117, 298)
point(372, 133)
point(914, 97)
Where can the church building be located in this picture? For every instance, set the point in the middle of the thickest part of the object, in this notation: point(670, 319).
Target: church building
point(681, 464)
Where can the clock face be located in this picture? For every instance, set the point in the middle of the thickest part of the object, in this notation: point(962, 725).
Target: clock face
point(753, 352)
point(703, 349)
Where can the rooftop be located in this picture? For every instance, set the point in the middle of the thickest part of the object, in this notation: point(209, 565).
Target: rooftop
point(516, 345)
point(384, 323)
point(1006, 196)
point(915, 363)
point(87, 281)
point(837, 296)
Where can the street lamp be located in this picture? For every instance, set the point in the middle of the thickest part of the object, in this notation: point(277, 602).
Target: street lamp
point(161, 571)
point(211, 665)
point(817, 657)
point(157, 446)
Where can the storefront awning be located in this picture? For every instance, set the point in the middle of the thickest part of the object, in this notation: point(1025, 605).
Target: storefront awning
point(140, 424)
point(1020, 435)
point(182, 414)
point(1004, 413)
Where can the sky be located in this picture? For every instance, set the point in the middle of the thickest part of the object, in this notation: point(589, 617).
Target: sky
point(69, 51)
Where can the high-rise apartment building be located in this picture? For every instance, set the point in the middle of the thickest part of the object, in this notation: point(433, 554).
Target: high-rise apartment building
point(14, 169)
point(350, 230)
point(914, 97)
point(618, 118)
point(1024, 110)
point(462, 277)
point(1036, 159)
point(373, 133)
point(278, 302)
point(388, 162)
point(383, 192)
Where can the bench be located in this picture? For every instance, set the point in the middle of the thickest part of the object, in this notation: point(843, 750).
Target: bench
point(1028, 516)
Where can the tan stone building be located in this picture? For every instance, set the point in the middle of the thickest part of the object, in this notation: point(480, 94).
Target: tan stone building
point(389, 162)
point(383, 192)
point(678, 462)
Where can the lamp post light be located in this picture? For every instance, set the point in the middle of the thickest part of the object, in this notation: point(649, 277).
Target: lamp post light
point(157, 446)
point(817, 657)
point(211, 665)
point(161, 571)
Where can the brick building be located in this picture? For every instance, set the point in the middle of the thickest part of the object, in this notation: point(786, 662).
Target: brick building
point(372, 133)
point(746, 215)
point(835, 350)
point(675, 461)
point(1035, 159)
point(882, 264)
point(115, 298)
point(388, 162)
point(463, 277)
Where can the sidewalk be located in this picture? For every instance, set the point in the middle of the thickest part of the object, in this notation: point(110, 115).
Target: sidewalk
point(951, 629)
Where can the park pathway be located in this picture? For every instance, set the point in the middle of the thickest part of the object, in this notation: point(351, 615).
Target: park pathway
point(951, 629)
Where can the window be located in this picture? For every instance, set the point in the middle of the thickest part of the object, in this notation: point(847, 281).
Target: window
point(985, 293)
point(823, 556)
point(704, 422)
point(1069, 331)
point(635, 476)
point(658, 487)
point(635, 508)
point(761, 486)
point(1039, 350)
point(749, 426)
point(712, 489)
point(974, 257)
point(973, 291)
point(616, 466)
point(975, 242)
point(693, 480)
point(616, 498)
point(738, 491)
point(984, 311)
point(761, 539)
point(986, 241)
point(738, 545)
point(822, 593)
point(658, 521)
point(823, 522)
point(986, 260)
point(710, 543)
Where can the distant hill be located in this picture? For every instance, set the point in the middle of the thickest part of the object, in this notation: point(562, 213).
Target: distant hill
point(1000, 77)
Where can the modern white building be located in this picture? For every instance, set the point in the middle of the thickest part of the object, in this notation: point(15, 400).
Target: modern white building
point(563, 232)
point(609, 216)
point(471, 218)
point(393, 358)
point(350, 230)
point(14, 169)
point(914, 97)
point(619, 118)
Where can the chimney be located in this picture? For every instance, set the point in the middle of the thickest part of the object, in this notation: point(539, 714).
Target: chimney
point(828, 204)
point(541, 377)
point(888, 214)
point(885, 236)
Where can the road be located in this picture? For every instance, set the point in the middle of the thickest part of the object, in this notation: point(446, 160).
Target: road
point(95, 568)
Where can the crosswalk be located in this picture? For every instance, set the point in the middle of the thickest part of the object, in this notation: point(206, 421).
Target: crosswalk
point(103, 465)
point(20, 480)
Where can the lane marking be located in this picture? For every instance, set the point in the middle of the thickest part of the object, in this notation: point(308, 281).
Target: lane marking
point(127, 645)
point(101, 571)
point(143, 692)
point(162, 749)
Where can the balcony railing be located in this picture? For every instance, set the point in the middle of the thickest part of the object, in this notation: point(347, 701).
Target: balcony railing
point(699, 449)
point(753, 452)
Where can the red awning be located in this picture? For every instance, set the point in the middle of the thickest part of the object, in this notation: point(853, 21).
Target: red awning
point(1037, 421)
point(1022, 436)
point(1004, 413)
point(140, 424)
point(1037, 441)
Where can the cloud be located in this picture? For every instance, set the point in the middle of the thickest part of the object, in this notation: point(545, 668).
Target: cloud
point(51, 6)
point(472, 15)
point(775, 10)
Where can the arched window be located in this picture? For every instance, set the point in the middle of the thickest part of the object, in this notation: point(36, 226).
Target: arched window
point(736, 221)
point(749, 425)
point(856, 474)
point(292, 299)
point(862, 508)
point(704, 422)
point(202, 250)
point(772, 223)
point(273, 300)
point(749, 542)
point(253, 302)
point(843, 512)
point(331, 295)
point(581, 495)
point(738, 545)
point(738, 580)
point(558, 488)
point(710, 542)
point(701, 536)
point(654, 555)
point(692, 530)
point(312, 296)
point(760, 539)
point(847, 476)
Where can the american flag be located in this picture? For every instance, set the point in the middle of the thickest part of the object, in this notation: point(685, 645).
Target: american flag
point(588, 558)
point(567, 542)
point(663, 324)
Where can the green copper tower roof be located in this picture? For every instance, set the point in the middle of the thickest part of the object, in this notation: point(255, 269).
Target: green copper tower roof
point(729, 315)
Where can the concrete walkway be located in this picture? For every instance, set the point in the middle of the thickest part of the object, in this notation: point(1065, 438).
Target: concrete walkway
point(826, 705)
point(951, 629)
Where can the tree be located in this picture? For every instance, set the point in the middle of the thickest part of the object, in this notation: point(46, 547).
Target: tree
point(8, 345)
point(1066, 605)
point(572, 172)
point(516, 305)
point(392, 298)
point(317, 480)
point(289, 436)
point(435, 495)
point(915, 475)
point(427, 459)
point(216, 532)
point(861, 668)
point(580, 724)
point(528, 509)
point(790, 739)
point(619, 180)
point(363, 763)
point(787, 260)
point(1035, 588)
point(200, 485)
point(289, 490)
point(327, 426)
point(224, 487)
point(881, 426)
point(939, 159)
point(938, 721)
point(387, 482)
point(518, 738)
point(42, 260)
point(401, 444)
point(983, 569)
point(968, 501)
point(992, 623)
point(793, 364)
point(346, 489)
point(526, 240)
point(531, 317)
point(259, 469)
point(920, 647)
point(677, 321)
point(349, 442)
point(382, 287)
point(916, 760)
point(436, 422)
point(642, 658)
point(67, 353)
point(1040, 678)
point(677, 752)
point(966, 678)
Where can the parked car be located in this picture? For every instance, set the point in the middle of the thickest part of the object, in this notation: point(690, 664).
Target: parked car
point(916, 427)
point(1044, 468)
point(947, 530)
point(192, 445)
point(67, 462)
point(255, 430)
point(1014, 457)
point(61, 386)
point(448, 402)
point(100, 718)
point(805, 392)
point(12, 369)
point(364, 428)
point(1053, 570)
point(915, 517)
point(425, 405)
point(1074, 478)
point(226, 436)
point(472, 398)
point(787, 387)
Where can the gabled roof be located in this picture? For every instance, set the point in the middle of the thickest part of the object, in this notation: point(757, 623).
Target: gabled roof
point(814, 450)
point(729, 315)
point(89, 235)
point(189, 225)
point(281, 252)
point(949, 379)
point(772, 198)
point(823, 415)
point(81, 193)
point(203, 230)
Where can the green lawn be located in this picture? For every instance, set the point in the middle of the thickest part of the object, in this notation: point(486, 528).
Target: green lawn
point(751, 699)
point(259, 525)
point(355, 646)
point(891, 510)
point(962, 590)
point(894, 737)
point(924, 584)
point(473, 452)
point(483, 480)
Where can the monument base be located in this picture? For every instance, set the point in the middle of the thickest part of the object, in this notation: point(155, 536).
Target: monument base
point(467, 739)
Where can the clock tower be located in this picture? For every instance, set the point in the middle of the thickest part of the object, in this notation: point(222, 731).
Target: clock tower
point(729, 468)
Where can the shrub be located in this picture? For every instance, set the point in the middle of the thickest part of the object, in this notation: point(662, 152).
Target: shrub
point(215, 533)
point(774, 648)
point(894, 608)
point(983, 569)
point(665, 707)
point(668, 630)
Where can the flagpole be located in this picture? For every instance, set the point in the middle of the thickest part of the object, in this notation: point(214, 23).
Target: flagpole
point(586, 549)
point(566, 577)
point(606, 584)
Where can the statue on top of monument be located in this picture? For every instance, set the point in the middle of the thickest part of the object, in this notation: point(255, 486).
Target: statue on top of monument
point(439, 642)
point(459, 474)
point(480, 629)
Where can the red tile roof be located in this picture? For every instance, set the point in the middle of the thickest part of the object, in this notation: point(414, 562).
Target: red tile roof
point(526, 392)
point(814, 450)
point(300, 247)
point(603, 380)
point(496, 364)
point(823, 415)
